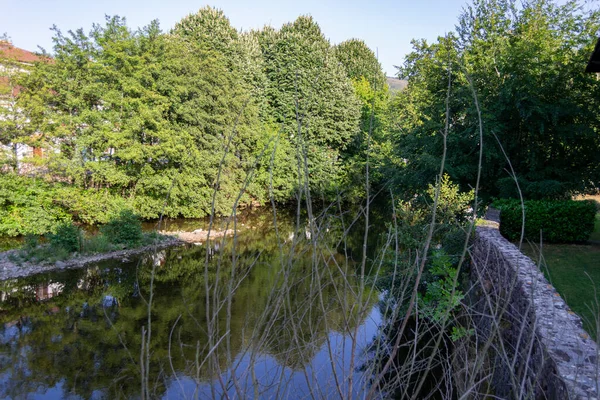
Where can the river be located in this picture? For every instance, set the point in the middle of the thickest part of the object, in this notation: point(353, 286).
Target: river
point(281, 310)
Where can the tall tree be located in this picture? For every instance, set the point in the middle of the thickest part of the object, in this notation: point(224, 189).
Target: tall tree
point(212, 30)
point(147, 115)
point(526, 63)
point(360, 62)
point(372, 140)
point(311, 97)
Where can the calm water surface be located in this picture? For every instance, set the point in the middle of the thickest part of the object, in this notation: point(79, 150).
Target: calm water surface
point(271, 314)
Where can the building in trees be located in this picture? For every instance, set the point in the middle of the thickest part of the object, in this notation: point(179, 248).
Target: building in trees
point(14, 62)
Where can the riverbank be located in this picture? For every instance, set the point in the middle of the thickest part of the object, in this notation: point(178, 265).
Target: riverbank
point(198, 235)
point(11, 267)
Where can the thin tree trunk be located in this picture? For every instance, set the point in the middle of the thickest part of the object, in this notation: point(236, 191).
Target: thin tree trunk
point(15, 157)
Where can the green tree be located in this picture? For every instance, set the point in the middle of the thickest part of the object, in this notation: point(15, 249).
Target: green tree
point(212, 30)
point(311, 97)
point(417, 114)
point(146, 115)
point(526, 64)
point(360, 61)
point(215, 122)
point(370, 87)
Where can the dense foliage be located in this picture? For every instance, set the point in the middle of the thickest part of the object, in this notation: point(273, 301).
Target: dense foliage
point(67, 237)
point(550, 221)
point(187, 123)
point(372, 142)
point(145, 115)
point(35, 206)
point(525, 61)
point(125, 229)
point(312, 100)
point(204, 118)
point(28, 206)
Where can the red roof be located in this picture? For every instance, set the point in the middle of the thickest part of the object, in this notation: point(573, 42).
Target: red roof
point(7, 50)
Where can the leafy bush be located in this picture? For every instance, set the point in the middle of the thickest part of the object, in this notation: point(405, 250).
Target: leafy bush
point(440, 294)
point(559, 221)
point(453, 205)
point(454, 210)
point(27, 206)
point(124, 229)
point(34, 206)
point(67, 236)
point(31, 242)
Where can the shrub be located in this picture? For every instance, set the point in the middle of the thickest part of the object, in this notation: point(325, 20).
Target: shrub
point(125, 229)
point(559, 221)
point(34, 206)
point(27, 206)
point(67, 236)
point(45, 254)
point(96, 244)
point(31, 242)
point(453, 205)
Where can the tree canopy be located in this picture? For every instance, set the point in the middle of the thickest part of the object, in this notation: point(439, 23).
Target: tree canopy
point(198, 120)
point(206, 118)
point(525, 62)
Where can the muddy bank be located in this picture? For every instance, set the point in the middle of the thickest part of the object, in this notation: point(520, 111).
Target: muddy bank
point(198, 235)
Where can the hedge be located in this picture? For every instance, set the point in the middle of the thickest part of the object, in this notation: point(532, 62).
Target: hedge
point(560, 221)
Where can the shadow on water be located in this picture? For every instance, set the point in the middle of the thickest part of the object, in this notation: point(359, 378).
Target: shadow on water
point(271, 314)
point(412, 372)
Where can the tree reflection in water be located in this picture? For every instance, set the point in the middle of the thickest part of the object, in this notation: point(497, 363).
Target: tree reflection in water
point(267, 316)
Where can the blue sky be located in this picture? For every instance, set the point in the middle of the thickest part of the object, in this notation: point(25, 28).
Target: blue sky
point(386, 26)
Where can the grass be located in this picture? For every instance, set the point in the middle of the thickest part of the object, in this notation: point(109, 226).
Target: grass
point(574, 270)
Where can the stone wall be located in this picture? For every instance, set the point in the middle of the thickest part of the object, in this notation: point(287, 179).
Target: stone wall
point(540, 348)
